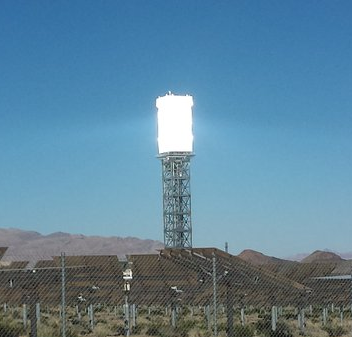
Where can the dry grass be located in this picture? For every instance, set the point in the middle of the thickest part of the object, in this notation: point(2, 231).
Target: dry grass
point(108, 322)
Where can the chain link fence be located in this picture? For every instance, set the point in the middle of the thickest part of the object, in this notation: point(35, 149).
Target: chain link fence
point(178, 293)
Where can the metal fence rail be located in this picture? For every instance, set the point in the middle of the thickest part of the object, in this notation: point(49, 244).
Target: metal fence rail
point(178, 292)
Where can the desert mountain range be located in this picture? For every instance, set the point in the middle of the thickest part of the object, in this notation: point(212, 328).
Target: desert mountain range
point(24, 245)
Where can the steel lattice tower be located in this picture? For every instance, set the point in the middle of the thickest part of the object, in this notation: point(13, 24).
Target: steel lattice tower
point(175, 147)
point(177, 200)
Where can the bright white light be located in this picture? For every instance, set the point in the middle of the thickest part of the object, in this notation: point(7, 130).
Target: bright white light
point(175, 123)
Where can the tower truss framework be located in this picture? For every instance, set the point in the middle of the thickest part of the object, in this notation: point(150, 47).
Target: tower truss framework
point(177, 200)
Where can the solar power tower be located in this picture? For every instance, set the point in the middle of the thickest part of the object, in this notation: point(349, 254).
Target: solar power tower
point(175, 149)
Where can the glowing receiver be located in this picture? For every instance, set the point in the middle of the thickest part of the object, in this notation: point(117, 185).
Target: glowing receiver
point(175, 124)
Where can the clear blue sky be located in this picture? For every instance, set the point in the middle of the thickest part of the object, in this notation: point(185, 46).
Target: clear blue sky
point(272, 85)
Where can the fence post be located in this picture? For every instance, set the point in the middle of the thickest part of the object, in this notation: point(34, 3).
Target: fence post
point(91, 315)
point(127, 315)
point(134, 320)
point(173, 316)
point(32, 298)
point(325, 314)
point(243, 317)
point(63, 294)
point(273, 318)
point(33, 317)
point(301, 321)
point(37, 309)
point(24, 316)
point(207, 313)
point(214, 297)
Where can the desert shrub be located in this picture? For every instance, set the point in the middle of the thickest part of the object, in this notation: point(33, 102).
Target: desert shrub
point(45, 331)
point(75, 321)
point(136, 330)
point(206, 333)
point(315, 319)
point(243, 331)
point(71, 333)
point(101, 321)
point(16, 314)
point(55, 324)
point(290, 315)
point(180, 332)
point(221, 326)
point(158, 311)
point(102, 331)
point(142, 311)
point(203, 325)
point(98, 308)
point(264, 327)
point(186, 311)
point(282, 330)
point(118, 329)
point(183, 328)
point(239, 329)
point(8, 329)
point(186, 324)
point(334, 330)
point(153, 330)
point(167, 331)
point(252, 310)
point(263, 314)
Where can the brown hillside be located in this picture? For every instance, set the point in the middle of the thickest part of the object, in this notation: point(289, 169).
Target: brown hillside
point(297, 271)
point(320, 256)
point(257, 258)
point(23, 245)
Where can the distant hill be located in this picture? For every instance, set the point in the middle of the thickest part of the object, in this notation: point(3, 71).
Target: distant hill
point(29, 245)
point(318, 264)
point(320, 256)
point(301, 256)
point(257, 258)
